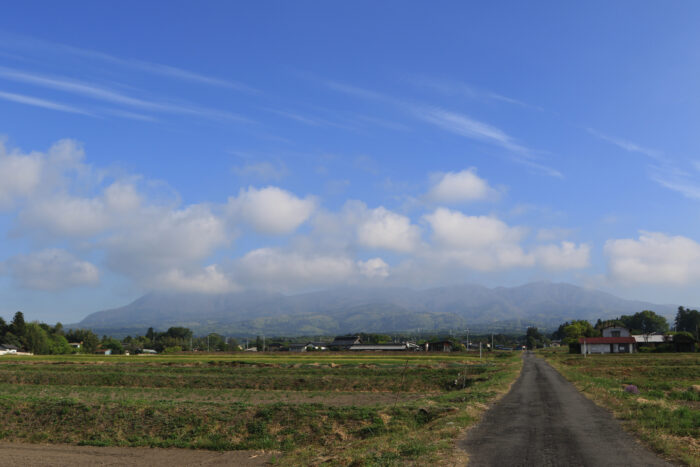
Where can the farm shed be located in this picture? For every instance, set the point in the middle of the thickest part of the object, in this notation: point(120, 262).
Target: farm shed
point(386, 347)
point(344, 342)
point(440, 346)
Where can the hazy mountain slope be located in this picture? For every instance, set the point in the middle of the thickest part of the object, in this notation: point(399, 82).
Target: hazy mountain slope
point(368, 309)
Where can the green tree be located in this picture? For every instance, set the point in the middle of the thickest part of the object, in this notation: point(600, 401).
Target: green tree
point(18, 326)
point(688, 320)
point(11, 339)
point(646, 322)
point(37, 339)
point(570, 332)
point(58, 345)
point(89, 339)
point(112, 344)
point(4, 328)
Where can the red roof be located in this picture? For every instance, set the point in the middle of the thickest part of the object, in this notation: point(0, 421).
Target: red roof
point(607, 340)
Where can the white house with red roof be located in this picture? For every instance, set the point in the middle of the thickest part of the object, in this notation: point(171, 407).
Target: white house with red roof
point(615, 339)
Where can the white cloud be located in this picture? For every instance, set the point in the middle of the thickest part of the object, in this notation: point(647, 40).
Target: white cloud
point(66, 216)
point(456, 230)
point(271, 210)
point(372, 268)
point(654, 258)
point(51, 269)
point(276, 268)
point(20, 175)
point(43, 103)
point(477, 242)
point(464, 186)
point(381, 228)
point(161, 239)
point(210, 279)
point(100, 93)
point(567, 255)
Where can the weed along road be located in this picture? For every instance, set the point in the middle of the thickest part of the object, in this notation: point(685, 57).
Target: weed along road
point(545, 421)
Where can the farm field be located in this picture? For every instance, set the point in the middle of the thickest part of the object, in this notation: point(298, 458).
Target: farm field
point(665, 411)
point(337, 408)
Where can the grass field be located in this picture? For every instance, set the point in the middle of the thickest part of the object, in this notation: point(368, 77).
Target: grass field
point(665, 414)
point(343, 409)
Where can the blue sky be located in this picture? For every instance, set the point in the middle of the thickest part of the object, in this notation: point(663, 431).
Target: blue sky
point(217, 146)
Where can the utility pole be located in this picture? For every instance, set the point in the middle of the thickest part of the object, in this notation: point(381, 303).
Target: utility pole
point(468, 346)
point(492, 349)
point(479, 350)
point(263, 349)
point(207, 342)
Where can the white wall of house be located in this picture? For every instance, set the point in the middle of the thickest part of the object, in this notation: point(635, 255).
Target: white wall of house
point(613, 332)
point(605, 348)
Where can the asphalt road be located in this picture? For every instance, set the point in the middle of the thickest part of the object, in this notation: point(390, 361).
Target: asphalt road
point(545, 421)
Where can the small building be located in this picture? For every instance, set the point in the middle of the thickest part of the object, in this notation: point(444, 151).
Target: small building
point(297, 347)
point(616, 344)
point(103, 352)
point(394, 347)
point(148, 352)
point(440, 346)
point(7, 349)
point(76, 345)
point(344, 342)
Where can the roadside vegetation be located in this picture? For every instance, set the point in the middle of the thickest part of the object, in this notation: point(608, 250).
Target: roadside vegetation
point(339, 409)
point(657, 396)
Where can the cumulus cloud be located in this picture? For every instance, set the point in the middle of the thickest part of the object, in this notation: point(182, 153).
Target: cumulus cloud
point(271, 210)
point(20, 175)
point(383, 229)
point(456, 187)
point(165, 239)
point(477, 242)
point(485, 243)
point(654, 258)
point(456, 230)
point(566, 255)
point(51, 269)
point(160, 243)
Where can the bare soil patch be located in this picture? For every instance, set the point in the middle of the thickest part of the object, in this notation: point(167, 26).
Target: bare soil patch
point(41, 455)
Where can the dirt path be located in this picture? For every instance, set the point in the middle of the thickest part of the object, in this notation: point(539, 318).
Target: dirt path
point(45, 455)
point(545, 421)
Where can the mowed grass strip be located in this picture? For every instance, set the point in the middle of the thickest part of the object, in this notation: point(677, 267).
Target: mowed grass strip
point(421, 404)
point(665, 414)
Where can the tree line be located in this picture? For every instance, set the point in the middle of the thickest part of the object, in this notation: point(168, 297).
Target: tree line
point(687, 321)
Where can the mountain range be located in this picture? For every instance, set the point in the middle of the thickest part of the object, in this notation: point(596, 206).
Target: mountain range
point(353, 309)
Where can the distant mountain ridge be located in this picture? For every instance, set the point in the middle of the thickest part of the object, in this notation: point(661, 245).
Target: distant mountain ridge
point(355, 309)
